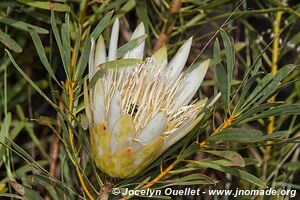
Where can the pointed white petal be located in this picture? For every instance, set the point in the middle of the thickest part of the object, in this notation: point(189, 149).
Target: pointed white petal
point(114, 111)
point(138, 51)
point(177, 63)
point(153, 129)
point(91, 59)
point(100, 54)
point(161, 56)
point(186, 127)
point(190, 85)
point(99, 103)
point(114, 38)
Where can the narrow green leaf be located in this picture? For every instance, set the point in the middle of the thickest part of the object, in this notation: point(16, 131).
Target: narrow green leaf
point(101, 25)
point(223, 162)
point(281, 74)
point(217, 56)
point(142, 13)
point(35, 139)
point(257, 92)
point(195, 176)
point(229, 51)
point(23, 170)
point(22, 25)
point(41, 53)
point(111, 65)
point(223, 84)
point(127, 7)
point(236, 135)
point(130, 45)
point(46, 5)
point(83, 58)
point(30, 81)
point(4, 131)
point(216, 60)
point(116, 64)
point(114, 4)
point(292, 166)
point(9, 42)
point(234, 157)
point(235, 172)
point(66, 47)
point(288, 109)
point(191, 149)
point(93, 81)
point(267, 86)
point(252, 111)
point(59, 43)
point(24, 155)
point(244, 92)
point(77, 46)
point(52, 189)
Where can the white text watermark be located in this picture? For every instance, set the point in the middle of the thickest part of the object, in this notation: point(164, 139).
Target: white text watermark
point(197, 192)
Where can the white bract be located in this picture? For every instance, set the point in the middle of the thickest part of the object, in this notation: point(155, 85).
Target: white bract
point(140, 111)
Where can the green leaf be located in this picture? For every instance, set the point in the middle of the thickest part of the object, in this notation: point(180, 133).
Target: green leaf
point(127, 7)
point(83, 60)
point(229, 51)
point(191, 149)
point(9, 42)
point(84, 121)
point(23, 170)
point(192, 179)
point(114, 4)
point(236, 135)
point(66, 47)
point(257, 92)
point(217, 56)
point(51, 188)
point(223, 85)
point(22, 25)
point(111, 65)
point(59, 43)
point(195, 176)
point(41, 53)
point(288, 109)
point(235, 172)
point(142, 13)
point(130, 45)
point(216, 60)
point(292, 166)
point(46, 5)
point(223, 162)
point(4, 132)
point(77, 47)
point(281, 74)
point(30, 81)
point(101, 25)
point(252, 111)
point(245, 90)
point(267, 86)
point(234, 157)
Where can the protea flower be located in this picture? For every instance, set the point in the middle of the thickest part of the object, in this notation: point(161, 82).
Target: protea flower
point(139, 112)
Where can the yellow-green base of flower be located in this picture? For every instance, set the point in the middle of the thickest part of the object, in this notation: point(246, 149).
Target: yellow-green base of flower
point(126, 162)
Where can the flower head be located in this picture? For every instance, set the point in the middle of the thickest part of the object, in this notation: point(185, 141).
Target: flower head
point(140, 111)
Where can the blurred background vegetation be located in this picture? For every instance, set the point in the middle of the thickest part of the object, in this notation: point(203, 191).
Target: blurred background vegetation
point(255, 39)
